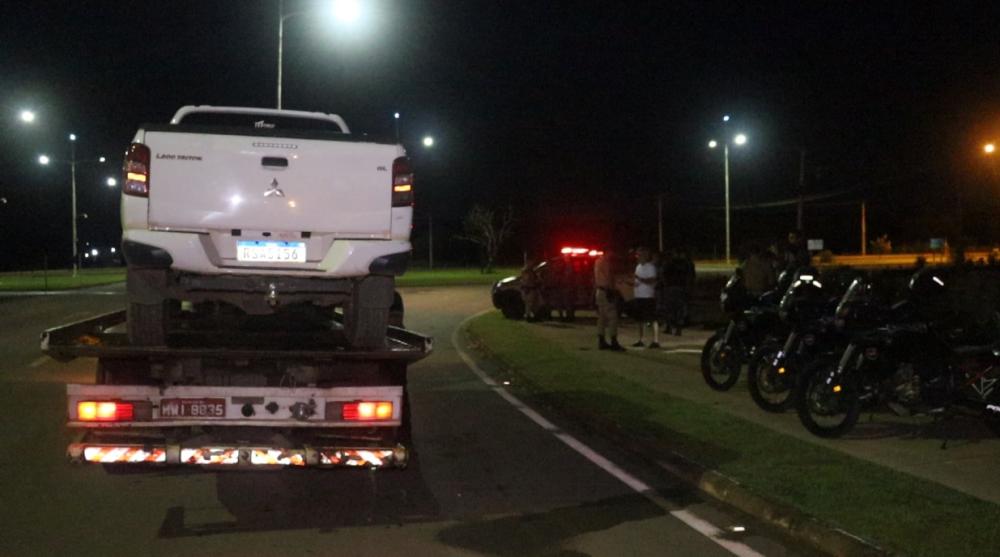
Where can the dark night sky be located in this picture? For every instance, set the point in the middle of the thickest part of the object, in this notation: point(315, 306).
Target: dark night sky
point(577, 113)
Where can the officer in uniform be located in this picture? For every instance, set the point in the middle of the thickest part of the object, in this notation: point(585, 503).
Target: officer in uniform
point(606, 297)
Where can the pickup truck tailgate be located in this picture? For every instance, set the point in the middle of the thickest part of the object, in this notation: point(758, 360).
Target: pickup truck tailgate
point(205, 182)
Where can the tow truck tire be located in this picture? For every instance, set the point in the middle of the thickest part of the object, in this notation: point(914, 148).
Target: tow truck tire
point(147, 324)
point(366, 315)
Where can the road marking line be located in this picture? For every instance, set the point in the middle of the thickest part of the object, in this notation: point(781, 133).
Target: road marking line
point(39, 361)
point(694, 522)
point(683, 351)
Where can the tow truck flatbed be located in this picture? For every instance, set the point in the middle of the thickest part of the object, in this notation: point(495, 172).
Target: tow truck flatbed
point(227, 398)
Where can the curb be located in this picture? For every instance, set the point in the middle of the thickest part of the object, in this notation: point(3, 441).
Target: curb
point(795, 523)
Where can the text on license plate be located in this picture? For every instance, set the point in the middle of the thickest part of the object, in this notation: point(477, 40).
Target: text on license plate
point(193, 408)
point(271, 251)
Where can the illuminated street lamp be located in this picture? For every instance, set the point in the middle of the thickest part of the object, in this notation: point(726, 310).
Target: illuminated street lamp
point(738, 139)
point(395, 119)
point(44, 160)
point(428, 141)
point(111, 182)
point(27, 116)
point(345, 11)
point(989, 148)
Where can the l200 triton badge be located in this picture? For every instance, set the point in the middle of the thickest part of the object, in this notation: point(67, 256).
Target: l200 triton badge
point(274, 190)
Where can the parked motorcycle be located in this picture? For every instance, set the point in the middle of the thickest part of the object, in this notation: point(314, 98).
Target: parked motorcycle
point(918, 363)
point(807, 308)
point(752, 322)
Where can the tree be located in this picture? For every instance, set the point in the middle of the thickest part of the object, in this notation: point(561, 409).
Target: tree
point(489, 230)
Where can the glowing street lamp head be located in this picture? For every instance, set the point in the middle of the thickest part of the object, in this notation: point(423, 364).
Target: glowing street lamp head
point(989, 148)
point(713, 144)
point(740, 139)
point(43, 159)
point(72, 137)
point(111, 182)
point(102, 159)
point(346, 11)
point(428, 141)
point(27, 116)
point(725, 118)
point(396, 115)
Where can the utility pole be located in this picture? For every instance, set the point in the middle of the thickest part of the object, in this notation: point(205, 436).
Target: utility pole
point(659, 219)
point(430, 241)
point(802, 183)
point(864, 229)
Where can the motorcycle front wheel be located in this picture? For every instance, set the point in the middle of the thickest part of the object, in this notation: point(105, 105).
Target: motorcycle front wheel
point(720, 363)
point(828, 403)
point(772, 387)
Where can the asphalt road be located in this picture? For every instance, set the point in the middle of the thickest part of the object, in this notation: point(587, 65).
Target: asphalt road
point(486, 480)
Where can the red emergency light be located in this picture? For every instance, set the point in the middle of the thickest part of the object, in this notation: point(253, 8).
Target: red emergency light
point(571, 251)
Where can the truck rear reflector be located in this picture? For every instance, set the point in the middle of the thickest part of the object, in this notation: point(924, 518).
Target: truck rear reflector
point(366, 411)
point(402, 183)
point(104, 411)
point(135, 171)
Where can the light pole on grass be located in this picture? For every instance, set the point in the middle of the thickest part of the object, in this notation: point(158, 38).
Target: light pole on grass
point(345, 11)
point(737, 140)
point(45, 160)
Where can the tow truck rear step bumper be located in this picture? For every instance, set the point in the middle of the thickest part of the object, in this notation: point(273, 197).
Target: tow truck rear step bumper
point(232, 456)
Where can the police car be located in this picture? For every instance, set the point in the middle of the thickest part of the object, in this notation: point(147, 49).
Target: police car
point(571, 273)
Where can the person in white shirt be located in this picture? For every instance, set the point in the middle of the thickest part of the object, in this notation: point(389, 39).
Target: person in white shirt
point(645, 297)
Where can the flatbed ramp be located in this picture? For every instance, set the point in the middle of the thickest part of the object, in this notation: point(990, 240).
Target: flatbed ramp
point(250, 398)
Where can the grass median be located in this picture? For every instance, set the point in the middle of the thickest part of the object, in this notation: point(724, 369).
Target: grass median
point(63, 279)
point(452, 277)
point(59, 279)
point(899, 512)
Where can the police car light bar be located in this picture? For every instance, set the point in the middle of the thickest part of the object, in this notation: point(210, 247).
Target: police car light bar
point(581, 251)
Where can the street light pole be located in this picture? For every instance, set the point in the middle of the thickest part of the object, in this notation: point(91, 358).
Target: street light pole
point(72, 181)
point(281, 44)
point(725, 157)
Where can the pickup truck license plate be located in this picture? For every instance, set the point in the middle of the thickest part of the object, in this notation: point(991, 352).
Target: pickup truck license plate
point(269, 251)
point(193, 408)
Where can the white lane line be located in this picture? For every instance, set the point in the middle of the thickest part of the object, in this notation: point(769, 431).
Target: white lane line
point(39, 361)
point(696, 523)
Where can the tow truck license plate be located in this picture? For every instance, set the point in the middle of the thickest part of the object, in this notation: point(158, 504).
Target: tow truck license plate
point(270, 251)
point(193, 408)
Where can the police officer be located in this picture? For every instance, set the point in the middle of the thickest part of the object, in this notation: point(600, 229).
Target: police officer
point(606, 297)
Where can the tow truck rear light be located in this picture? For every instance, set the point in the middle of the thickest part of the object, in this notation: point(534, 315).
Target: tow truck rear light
point(104, 411)
point(366, 411)
point(402, 183)
point(135, 171)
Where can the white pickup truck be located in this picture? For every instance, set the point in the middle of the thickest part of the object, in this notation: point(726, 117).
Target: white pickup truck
point(259, 210)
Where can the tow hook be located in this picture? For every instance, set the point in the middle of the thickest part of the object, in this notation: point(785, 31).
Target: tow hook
point(272, 294)
point(302, 411)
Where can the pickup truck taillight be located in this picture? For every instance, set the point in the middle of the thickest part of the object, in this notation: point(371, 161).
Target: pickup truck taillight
point(402, 182)
point(135, 171)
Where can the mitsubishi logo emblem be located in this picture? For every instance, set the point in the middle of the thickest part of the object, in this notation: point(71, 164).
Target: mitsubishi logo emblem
point(274, 190)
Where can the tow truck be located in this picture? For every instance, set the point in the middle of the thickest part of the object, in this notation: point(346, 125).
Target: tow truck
point(264, 395)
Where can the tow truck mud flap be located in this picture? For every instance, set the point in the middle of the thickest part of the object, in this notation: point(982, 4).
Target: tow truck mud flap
point(239, 457)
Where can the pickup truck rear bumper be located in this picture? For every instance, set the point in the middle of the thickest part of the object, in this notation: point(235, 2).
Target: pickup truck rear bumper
point(210, 254)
